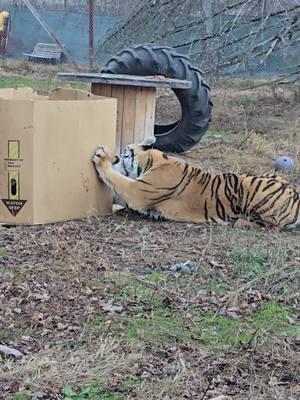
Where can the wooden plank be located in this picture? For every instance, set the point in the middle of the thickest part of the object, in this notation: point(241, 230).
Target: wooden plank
point(140, 114)
point(47, 51)
point(118, 93)
point(150, 113)
point(128, 119)
point(100, 89)
point(127, 80)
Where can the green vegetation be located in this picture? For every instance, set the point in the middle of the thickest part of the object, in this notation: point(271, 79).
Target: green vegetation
point(43, 85)
point(248, 101)
point(207, 329)
point(103, 317)
point(3, 253)
point(88, 393)
point(21, 396)
point(249, 263)
point(151, 319)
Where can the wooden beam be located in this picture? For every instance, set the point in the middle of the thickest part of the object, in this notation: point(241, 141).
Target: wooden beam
point(126, 80)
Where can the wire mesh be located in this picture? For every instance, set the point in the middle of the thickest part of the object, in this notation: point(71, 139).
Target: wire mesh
point(236, 37)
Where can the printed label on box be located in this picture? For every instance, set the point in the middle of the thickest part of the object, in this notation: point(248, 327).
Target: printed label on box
point(13, 203)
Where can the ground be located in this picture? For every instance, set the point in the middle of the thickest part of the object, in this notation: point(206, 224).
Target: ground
point(97, 312)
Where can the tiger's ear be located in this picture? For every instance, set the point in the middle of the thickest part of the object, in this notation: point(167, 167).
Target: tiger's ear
point(148, 142)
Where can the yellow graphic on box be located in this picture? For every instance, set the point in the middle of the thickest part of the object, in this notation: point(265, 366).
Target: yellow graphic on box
point(13, 149)
point(14, 185)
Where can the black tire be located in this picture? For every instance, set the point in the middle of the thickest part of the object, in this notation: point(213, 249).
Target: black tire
point(196, 105)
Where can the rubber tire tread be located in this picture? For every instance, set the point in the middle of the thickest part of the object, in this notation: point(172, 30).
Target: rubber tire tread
point(196, 104)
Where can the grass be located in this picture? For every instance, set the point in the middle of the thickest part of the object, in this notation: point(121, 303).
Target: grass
point(228, 329)
point(88, 393)
point(151, 319)
point(3, 253)
point(248, 101)
point(21, 396)
point(42, 85)
point(247, 263)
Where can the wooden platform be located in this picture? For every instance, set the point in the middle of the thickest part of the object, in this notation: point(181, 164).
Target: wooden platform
point(136, 100)
point(45, 52)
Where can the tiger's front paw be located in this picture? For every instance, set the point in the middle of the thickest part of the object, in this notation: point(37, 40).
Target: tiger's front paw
point(101, 156)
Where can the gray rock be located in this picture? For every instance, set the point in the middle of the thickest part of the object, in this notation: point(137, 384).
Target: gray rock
point(186, 267)
point(175, 268)
point(144, 231)
point(10, 352)
point(170, 370)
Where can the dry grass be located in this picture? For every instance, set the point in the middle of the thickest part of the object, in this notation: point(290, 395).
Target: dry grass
point(60, 367)
point(229, 329)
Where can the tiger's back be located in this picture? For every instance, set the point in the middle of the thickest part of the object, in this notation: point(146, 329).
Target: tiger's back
point(171, 188)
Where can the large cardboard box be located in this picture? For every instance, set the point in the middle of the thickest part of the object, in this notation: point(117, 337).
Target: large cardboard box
point(46, 146)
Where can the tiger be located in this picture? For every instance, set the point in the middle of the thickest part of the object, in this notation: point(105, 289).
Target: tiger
point(161, 186)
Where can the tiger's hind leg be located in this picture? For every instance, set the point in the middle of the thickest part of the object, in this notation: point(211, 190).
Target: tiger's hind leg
point(130, 190)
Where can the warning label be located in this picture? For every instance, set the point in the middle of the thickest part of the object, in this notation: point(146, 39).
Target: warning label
point(13, 202)
point(14, 206)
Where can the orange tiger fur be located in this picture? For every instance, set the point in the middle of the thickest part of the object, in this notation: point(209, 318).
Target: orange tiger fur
point(153, 183)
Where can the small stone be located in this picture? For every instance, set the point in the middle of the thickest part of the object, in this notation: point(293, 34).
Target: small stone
point(193, 266)
point(170, 370)
point(187, 267)
point(10, 351)
point(144, 231)
point(175, 268)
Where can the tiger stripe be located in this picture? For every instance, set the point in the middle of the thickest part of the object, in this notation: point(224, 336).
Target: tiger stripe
point(174, 189)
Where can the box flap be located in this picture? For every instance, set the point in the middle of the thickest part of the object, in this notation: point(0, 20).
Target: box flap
point(70, 94)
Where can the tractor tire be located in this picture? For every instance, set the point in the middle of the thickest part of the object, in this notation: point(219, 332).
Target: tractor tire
point(196, 105)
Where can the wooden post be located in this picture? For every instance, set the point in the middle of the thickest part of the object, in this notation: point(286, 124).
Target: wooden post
point(135, 112)
point(136, 101)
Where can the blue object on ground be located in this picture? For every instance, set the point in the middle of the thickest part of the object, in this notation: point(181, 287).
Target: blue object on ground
point(284, 163)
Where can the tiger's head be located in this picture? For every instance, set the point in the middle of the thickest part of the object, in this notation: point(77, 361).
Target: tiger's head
point(136, 159)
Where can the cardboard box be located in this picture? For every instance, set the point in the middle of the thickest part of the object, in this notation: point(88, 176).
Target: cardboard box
point(46, 146)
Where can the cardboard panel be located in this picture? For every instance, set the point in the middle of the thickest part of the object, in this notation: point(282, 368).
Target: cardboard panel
point(70, 94)
point(16, 158)
point(46, 146)
point(67, 185)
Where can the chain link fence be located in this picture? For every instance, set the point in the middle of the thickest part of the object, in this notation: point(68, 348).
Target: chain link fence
point(237, 37)
point(69, 28)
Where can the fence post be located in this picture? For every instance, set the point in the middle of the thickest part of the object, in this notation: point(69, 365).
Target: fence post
point(91, 33)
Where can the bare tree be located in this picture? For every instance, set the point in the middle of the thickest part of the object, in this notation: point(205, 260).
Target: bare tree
point(221, 36)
